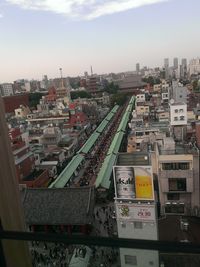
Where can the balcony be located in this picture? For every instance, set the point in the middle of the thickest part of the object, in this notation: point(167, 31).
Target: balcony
point(175, 174)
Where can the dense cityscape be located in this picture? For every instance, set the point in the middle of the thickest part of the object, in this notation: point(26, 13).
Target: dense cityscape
point(112, 155)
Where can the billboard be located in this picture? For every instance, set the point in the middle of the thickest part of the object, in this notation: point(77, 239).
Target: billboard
point(133, 182)
point(136, 212)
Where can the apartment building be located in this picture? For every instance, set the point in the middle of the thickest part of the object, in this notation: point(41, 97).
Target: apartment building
point(178, 177)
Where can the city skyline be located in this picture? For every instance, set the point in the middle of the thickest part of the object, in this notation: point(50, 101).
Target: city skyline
point(111, 36)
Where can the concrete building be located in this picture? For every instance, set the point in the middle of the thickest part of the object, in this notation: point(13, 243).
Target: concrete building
point(135, 207)
point(166, 66)
point(6, 89)
point(22, 112)
point(194, 66)
point(137, 68)
point(140, 98)
point(178, 114)
point(175, 63)
point(178, 92)
point(178, 178)
point(23, 157)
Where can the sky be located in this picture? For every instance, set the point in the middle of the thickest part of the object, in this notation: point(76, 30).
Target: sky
point(38, 37)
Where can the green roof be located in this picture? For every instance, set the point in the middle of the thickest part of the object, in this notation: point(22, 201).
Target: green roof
point(89, 143)
point(109, 116)
point(103, 178)
point(115, 145)
point(114, 110)
point(66, 174)
point(102, 126)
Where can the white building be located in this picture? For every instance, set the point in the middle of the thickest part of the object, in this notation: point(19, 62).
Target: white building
point(194, 66)
point(140, 98)
point(135, 208)
point(7, 89)
point(178, 114)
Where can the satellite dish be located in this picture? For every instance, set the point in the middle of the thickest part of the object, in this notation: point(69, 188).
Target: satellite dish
point(171, 101)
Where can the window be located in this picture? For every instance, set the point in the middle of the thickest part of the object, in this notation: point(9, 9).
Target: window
point(123, 225)
point(138, 225)
point(182, 118)
point(181, 110)
point(176, 110)
point(131, 260)
point(173, 196)
point(176, 166)
point(177, 184)
point(175, 208)
point(175, 118)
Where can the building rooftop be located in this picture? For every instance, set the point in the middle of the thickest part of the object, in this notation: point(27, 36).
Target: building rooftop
point(47, 206)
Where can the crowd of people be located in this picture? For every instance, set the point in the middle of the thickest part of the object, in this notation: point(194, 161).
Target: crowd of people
point(50, 254)
point(99, 152)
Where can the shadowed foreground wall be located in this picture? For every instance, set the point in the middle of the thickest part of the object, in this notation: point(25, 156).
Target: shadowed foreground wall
point(11, 216)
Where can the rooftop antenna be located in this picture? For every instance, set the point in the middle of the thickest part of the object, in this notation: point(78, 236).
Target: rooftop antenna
point(62, 83)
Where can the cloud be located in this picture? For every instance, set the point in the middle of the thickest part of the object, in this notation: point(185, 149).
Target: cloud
point(1, 15)
point(83, 9)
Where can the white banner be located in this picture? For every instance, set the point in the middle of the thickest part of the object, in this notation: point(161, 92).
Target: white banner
point(136, 212)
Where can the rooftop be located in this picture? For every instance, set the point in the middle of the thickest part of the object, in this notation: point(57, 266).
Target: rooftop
point(72, 206)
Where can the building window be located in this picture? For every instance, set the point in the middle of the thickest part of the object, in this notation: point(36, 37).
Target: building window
point(176, 166)
point(177, 184)
point(176, 110)
point(182, 118)
point(181, 110)
point(138, 225)
point(131, 260)
point(175, 208)
point(173, 196)
point(175, 118)
point(123, 225)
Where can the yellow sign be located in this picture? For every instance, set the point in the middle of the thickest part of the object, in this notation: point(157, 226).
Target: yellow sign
point(143, 184)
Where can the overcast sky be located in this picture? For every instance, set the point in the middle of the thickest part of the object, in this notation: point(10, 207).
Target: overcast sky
point(38, 37)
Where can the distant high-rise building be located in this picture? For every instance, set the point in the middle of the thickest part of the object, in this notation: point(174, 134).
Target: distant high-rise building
point(137, 67)
point(194, 66)
point(166, 63)
point(6, 89)
point(183, 68)
point(166, 66)
point(175, 63)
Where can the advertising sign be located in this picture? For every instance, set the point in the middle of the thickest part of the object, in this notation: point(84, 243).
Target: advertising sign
point(133, 182)
point(135, 212)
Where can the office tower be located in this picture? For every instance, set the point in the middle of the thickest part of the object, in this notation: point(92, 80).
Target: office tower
point(137, 67)
point(11, 217)
point(166, 66)
point(166, 63)
point(175, 63)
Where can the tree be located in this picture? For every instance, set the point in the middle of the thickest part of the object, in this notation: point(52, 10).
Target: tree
point(34, 99)
point(81, 94)
point(118, 99)
point(111, 88)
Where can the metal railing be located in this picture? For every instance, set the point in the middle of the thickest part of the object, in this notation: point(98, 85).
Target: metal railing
point(161, 246)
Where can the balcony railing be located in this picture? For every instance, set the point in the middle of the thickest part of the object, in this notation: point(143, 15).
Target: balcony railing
point(168, 251)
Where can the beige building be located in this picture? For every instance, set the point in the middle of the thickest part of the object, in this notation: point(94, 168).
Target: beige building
point(178, 177)
point(142, 109)
point(22, 111)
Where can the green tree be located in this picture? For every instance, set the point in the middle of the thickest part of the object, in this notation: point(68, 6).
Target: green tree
point(118, 99)
point(81, 94)
point(111, 88)
point(34, 99)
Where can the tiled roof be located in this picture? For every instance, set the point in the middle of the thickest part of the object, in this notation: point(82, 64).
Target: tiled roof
point(72, 206)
